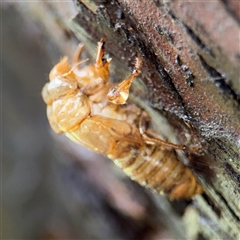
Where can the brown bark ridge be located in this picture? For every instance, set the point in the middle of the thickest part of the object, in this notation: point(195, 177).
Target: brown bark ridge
point(189, 85)
point(191, 62)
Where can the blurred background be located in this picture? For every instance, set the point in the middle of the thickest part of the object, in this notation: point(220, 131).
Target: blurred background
point(27, 158)
point(51, 188)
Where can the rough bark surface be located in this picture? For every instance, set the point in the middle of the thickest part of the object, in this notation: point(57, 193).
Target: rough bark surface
point(189, 84)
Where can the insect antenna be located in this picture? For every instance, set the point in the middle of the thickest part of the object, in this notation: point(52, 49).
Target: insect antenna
point(74, 66)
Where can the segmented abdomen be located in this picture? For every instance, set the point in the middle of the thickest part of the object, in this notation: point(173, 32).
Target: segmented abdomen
point(160, 170)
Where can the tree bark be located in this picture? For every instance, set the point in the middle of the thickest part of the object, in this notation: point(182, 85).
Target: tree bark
point(191, 71)
point(189, 85)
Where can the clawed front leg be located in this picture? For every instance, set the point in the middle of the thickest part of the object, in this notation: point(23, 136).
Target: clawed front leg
point(100, 61)
point(152, 138)
point(119, 93)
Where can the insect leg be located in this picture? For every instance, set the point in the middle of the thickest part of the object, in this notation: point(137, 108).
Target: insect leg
point(119, 93)
point(154, 139)
point(100, 61)
point(77, 53)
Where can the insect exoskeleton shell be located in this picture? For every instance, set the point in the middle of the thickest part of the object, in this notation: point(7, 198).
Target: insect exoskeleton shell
point(70, 110)
point(87, 108)
point(70, 106)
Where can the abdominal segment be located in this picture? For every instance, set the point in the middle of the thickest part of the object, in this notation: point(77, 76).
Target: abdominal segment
point(160, 170)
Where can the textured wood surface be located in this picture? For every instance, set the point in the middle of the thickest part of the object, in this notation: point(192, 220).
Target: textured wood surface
point(189, 85)
point(191, 70)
